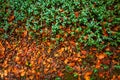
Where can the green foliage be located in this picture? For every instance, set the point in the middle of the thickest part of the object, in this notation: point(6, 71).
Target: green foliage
point(117, 66)
point(37, 14)
point(57, 78)
point(68, 68)
point(108, 53)
point(75, 75)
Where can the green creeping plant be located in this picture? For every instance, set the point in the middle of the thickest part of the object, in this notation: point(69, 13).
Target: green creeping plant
point(37, 14)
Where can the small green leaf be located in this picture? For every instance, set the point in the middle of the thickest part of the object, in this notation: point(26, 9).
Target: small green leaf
point(108, 53)
point(57, 78)
point(75, 75)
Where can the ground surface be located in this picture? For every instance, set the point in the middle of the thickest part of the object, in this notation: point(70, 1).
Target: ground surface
point(27, 59)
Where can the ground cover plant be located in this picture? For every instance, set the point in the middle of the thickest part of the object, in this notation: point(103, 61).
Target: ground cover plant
point(59, 39)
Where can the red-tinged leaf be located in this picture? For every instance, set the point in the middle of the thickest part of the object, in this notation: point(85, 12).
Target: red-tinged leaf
point(73, 43)
point(77, 14)
point(77, 68)
point(46, 71)
point(94, 49)
point(98, 64)
point(1, 29)
point(101, 74)
point(83, 52)
point(60, 74)
point(105, 32)
point(101, 56)
point(118, 77)
point(71, 64)
point(25, 33)
point(107, 62)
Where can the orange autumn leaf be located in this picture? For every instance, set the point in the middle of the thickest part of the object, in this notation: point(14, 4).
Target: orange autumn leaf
point(61, 50)
point(49, 50)
point(101, 56)
point(61, 10)
point(72, 43)
point(8, 44)
point(87, 75)
point(105, 32)
point(66, 61)
point(24, 33)
point(2, 50)
point(60, 74)
point(71, 64)
point(11, 18)
point(22, 72)
point(98, 64)
point(94, 49)
point(76, 14)
point(46, 71)
point(101, 74)
point(83, 52)
point(17, 59)
point(61, 27)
